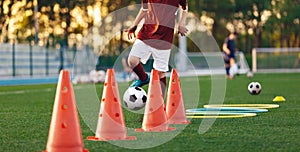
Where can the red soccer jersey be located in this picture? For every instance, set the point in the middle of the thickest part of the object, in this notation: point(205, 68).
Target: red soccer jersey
point(158, 29)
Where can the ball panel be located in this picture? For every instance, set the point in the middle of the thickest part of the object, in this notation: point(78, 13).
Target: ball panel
point(144, 99)
point(138, 89)
point(132, 98)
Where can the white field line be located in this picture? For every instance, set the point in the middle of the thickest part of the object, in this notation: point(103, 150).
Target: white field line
point(25, 91)
point(32, 91)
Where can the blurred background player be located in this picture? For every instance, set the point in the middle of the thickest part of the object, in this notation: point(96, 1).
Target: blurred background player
point(155, 37)
point(229, 50)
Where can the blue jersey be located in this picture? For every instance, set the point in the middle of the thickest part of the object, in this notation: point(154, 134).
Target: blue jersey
point(231, 46)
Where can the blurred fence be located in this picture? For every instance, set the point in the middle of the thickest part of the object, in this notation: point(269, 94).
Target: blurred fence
point(28, 60)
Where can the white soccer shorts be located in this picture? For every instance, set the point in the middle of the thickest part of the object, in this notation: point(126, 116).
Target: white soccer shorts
point(144, 51)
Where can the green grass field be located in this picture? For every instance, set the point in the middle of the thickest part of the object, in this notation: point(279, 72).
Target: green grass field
point(25, 113)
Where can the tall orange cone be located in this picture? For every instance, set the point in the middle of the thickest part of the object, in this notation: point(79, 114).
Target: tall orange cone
point(65, 133)
point(155, 118)
point(111, 125)
point(174, 106)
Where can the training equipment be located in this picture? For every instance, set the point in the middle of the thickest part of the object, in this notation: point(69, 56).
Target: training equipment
point(228, 115)
point(224, 110)
point(111, 125)
point(275, 59)
point(256, 106)
point(175, 105)
point(279, 99)
point(254, 88)
point(64, 132)
point(135, 98)
point(155, 118)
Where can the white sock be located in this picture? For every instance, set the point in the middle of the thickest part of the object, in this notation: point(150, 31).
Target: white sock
point(233, 70)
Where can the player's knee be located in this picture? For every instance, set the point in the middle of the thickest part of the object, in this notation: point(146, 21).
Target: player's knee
point(232, 61)
point(133, 61)
point(161, 74)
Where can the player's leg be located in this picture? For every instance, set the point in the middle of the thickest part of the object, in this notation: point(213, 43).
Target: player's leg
point(233, 67)
point(227, 64)
point(227, 68)
point(139, 53)
point(161, 64)
point(137, 67)
point(163, 82)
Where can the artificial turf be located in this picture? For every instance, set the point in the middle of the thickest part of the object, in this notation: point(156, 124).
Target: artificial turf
point(25, 113)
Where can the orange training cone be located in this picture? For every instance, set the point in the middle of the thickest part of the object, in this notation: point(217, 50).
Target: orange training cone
point(155, 118)
point(175, 108)
point(111, 125)
point(64, 133)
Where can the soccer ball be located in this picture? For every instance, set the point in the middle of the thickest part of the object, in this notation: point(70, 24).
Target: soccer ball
point(254, 88)
point(135, 98)
point(249, 74)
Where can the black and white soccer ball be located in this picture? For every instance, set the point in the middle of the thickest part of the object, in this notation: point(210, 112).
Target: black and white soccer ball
point(254, 88)
point(135, 98)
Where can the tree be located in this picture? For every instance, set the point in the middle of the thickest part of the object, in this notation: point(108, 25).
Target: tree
point(288, 16)
point(5, 15)
point(251, 12)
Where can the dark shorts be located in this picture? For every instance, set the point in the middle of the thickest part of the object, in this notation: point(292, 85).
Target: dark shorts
point(228, 57)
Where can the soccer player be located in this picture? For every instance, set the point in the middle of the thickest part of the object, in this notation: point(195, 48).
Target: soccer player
point(155, 37)
point(229, 55)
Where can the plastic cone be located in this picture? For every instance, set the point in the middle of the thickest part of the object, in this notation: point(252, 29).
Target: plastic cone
point(64, 133)
point(175, 106)
point(155, 118)
point(279, 99)
point(111, 125)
